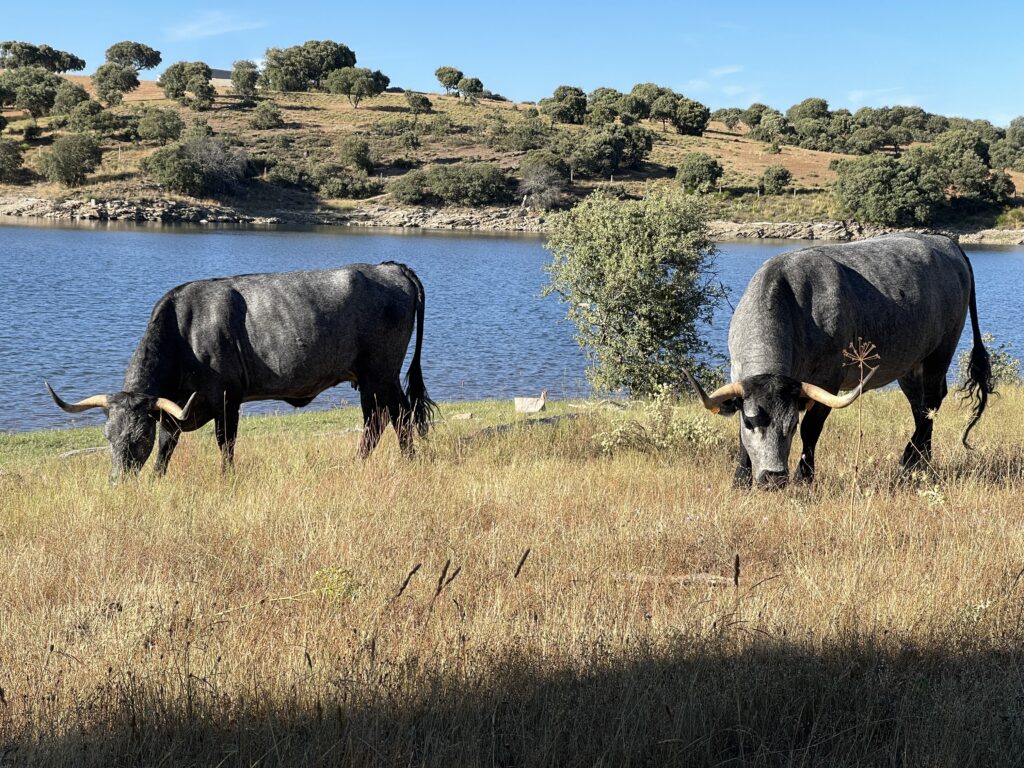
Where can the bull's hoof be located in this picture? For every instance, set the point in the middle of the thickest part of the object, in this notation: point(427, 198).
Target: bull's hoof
point(804, 475)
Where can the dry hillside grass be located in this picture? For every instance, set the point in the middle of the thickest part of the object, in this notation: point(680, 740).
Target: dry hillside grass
point(519, 598)
point(314, 121)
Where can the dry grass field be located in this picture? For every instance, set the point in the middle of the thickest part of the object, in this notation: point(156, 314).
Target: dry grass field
point(591, 592)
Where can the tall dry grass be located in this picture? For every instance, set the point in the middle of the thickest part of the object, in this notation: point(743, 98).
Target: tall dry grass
point(268, 616)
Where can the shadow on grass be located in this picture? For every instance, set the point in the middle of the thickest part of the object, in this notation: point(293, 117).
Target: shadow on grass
point(769, 703)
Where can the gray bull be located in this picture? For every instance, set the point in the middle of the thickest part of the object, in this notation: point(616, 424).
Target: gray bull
point(213, 344)
point(908, 294)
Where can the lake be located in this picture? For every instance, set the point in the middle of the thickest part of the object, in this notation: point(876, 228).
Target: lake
point(75, 299)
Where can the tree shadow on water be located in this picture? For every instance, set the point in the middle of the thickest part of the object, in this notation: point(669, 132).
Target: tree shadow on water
point(771, 703)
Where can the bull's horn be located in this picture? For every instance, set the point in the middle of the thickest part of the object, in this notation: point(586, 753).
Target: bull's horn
point(819, 395)
point(96, 401)
point(171, 408)
point(719, 396)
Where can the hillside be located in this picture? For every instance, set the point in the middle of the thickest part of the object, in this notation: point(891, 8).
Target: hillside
point(591, 592)
point(315, 123)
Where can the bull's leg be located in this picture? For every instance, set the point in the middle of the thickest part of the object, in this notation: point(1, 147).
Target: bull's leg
point(400, 411)
point(375, 418)
point(920, 446)
point(168, 442)
point(810, 431)
point(226, 428)
point(744, 477)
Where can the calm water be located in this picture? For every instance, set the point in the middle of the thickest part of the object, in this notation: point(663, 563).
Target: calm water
point(75, 300)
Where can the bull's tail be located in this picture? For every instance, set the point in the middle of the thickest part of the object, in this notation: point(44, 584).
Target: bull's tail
point(979, 384)
point(424, 410)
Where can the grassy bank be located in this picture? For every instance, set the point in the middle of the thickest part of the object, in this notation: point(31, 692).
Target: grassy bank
point(562, 594)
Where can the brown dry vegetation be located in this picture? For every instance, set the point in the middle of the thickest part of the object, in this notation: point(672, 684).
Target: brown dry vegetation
point(309, 609)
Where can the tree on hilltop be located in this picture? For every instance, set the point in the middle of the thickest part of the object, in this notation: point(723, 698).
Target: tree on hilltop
point(244, 78)
point(129, 53)
point(449, 78)
point(112, 80)
point(357, 83)
point(306, 66)
point(470, 89)
point(15, 54)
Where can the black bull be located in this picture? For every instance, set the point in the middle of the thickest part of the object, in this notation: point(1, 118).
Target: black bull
point(907, 294)
point(213, 344)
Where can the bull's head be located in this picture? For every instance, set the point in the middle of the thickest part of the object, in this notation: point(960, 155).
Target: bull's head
point(131, 425)
point(770, 406)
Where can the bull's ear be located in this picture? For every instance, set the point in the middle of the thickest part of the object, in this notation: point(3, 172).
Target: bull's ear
point(729, 407)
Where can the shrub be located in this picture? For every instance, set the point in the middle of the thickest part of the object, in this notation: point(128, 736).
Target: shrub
point(418, 103)
point(699, 171)
point(160, 125)
point(470, 184)
point(440, 125)
point(884, 190)
point(173, 168)
point(266, 116)
point(71, 157)
point(69, 95)
point(656, 426)
point(521, 136)
point(635, 276)
point(113, 80)
point(395, 126)
point(543, 179)
point(244, 78)
point(12, 157)
point(775, 179)
point(604, 152)
point(198, 165)
point(690, 117)
point(91, 116)
point(339, 182)
point(354, 152)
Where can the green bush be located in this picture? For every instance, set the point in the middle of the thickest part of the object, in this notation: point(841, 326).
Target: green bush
point(160, 125)
point(699, 171)
point(636, 279)
point(543, 179)
point(470, 184)
point(354, 152)
point(418, 103)
point(12, 159)
point(395, 126)
point(71, 158)
point(69, 95)
point(198, 165)
point(775, 179)
point(173, 168)
point(266, 116)
point(341, 182)
point(521, 136)
point(91, 116)
point(883, 190)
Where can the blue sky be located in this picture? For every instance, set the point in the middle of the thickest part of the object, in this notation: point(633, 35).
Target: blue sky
point(953, 58)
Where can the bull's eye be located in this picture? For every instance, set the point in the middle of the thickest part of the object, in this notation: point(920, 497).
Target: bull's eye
point(747, 422)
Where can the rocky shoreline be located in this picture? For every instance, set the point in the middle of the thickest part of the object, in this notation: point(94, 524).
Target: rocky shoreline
point(376, 214)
